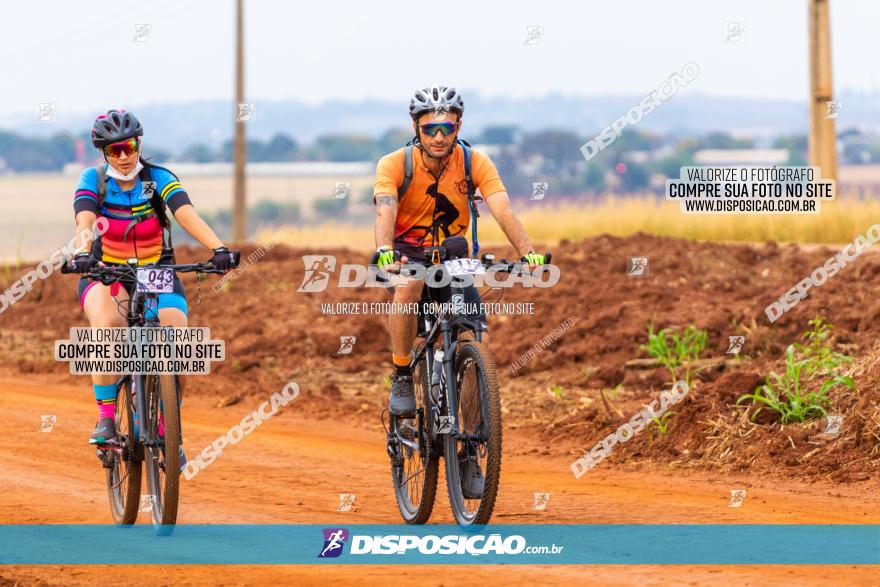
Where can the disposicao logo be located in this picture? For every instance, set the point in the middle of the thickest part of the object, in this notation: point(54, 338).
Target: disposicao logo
point(334, 540)
point(317, 274)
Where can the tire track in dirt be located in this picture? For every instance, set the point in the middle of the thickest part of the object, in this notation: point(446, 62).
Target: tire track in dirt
point(291, 468)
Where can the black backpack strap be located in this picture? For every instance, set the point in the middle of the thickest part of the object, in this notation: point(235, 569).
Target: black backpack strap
point(472, 194)
point(101, 193)
point(102, 184)
point(159, 207)
point(407, 171)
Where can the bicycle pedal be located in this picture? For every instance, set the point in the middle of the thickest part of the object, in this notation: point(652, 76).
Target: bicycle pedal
point(105, 446)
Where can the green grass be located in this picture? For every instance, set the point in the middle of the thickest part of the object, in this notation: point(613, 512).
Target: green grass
point(613, 393)
point(662, 423)
point(674, 351)
point(557, 392)
point(812, 370)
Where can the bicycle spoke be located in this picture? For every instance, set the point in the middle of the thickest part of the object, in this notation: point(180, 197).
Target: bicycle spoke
point(124, 476)
point(122, 480)
point(413, 476)
point(476, 445)
point(415, 479)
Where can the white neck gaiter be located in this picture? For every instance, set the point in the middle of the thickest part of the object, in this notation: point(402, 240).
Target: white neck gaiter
point(118, 175)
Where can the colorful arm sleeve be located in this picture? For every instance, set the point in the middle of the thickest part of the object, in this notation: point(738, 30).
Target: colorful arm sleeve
point(170, 190)
point(86, 196)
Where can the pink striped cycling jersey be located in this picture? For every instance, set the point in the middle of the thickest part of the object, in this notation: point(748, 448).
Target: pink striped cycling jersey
point(144, 239)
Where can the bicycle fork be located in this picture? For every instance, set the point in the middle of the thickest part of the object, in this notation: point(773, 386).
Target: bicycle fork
point(445, 421)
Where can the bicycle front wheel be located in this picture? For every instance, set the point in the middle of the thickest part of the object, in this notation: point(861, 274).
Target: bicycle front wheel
point(162, 455)
point(124, 476)
point(476, 450)
point(415, 473)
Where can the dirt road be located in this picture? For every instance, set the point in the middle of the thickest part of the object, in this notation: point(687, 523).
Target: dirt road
point(290, 470)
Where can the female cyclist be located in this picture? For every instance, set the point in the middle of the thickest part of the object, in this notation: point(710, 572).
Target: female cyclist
point(132, 195)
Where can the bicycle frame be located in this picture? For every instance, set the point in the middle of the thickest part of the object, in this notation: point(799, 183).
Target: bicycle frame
point(415, 443)
point(140, 301)
point(135, 449)
point(436, 329)
point(441, 329)
point(137, 302)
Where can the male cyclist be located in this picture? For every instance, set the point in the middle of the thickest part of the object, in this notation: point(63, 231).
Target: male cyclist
point(434, 205)
point(132, 195)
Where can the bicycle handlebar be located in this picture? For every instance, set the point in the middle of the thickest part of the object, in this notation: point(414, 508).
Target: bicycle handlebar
point(127, 271)
point(487, 259)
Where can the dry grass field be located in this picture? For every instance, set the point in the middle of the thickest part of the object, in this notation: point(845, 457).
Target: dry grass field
point(839, 222)
point(39, 215)
point(38, 208)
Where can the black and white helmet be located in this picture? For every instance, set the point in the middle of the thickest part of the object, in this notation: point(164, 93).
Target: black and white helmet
point(436, 99)
point(115, 126)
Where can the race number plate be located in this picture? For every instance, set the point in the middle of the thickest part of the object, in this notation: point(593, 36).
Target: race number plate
point(457, 267)
point(155, 280)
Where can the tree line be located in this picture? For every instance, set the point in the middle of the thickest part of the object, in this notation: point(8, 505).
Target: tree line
point(523, 157)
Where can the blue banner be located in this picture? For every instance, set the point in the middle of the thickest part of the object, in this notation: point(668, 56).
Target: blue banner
point(629, 544)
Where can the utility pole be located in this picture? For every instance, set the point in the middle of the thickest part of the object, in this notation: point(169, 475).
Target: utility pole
point(239, 207)
point(822, 144)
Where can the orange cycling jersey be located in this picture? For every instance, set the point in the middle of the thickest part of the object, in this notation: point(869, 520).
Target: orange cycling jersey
point(429, 202)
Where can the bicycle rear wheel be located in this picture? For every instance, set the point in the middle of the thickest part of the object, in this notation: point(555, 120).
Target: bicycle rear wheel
point(478, 415)
point(415, 474)
point(162, 456)
point(124, 476)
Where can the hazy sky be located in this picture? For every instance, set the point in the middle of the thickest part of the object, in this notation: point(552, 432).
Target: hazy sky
point(81, 54)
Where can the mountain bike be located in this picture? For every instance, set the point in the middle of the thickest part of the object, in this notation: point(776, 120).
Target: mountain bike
point(458, 402)
point(145, 403)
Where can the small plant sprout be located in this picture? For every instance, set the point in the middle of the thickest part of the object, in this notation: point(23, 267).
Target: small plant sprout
point(662, 423)
point(614, 392)
point(673, 350)
point(800, 392)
